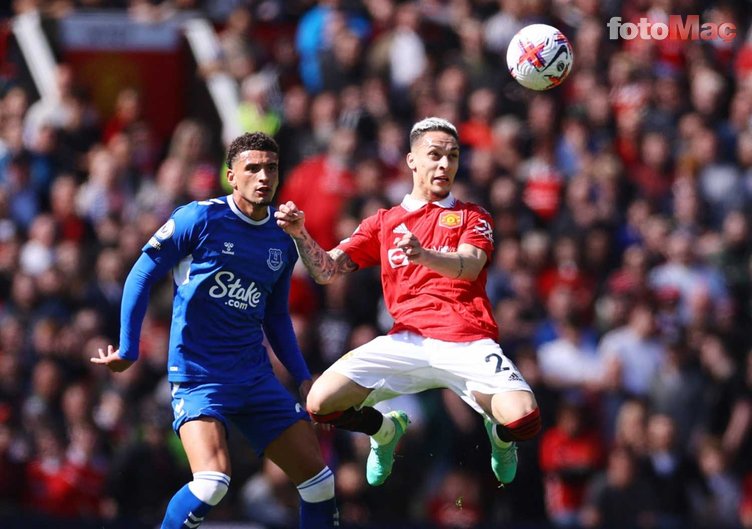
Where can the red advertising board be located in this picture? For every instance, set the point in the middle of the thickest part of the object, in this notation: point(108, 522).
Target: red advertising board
point(110, 51)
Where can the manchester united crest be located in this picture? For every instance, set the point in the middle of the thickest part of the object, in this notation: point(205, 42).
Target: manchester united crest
point(450, 219)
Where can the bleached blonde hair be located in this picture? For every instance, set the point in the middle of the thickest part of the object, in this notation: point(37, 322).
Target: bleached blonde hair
point(431, 124)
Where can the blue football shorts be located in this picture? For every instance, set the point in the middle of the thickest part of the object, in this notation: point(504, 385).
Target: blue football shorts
point(261, 409)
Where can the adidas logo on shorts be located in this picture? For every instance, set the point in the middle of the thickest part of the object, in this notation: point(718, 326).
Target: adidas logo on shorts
point(515, 377)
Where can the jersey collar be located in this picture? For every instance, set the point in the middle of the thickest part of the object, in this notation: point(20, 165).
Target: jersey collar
point(245, 218)
point(414, 204)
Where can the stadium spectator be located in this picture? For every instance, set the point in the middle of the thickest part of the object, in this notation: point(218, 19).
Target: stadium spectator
point(653, 173)
point(570, 361)
point(86, 467)
point(341, 66)
point(131, 490)
point(405, 50)
point(331, 175)
point(632, 354)
point(571, 452)
point(677, 389)
point(189, 145)
point(629, 430)
point(732, 258)
point(703, 292)
point(128, 110)
point(70, 225)
point(669, 473)
point(242, 55)
point(256, 109)
point(620, 498)
point(631, 277)
point(324, 117)
point(105, 291)
point(24, 203)
point(37, 254)
point(104, 194)
point(41, 406)
point(48, 487)
point(716, 496)
point(502, 25)
point(723, 386)
point(12, 462)
point(162, 195)
point(316, 33)
point(295, 130)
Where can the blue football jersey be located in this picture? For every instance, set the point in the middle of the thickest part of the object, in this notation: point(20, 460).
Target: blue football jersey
point(229, 271)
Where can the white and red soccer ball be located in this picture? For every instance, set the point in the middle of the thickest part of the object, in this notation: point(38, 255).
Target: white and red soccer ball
point(539, 57)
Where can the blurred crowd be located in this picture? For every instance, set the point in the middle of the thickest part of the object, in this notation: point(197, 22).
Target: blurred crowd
point(622, 277)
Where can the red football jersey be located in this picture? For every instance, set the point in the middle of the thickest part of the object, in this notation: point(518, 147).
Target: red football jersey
point(421, 300)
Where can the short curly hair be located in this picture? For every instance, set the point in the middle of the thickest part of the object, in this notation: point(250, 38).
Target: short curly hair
point(251, 141)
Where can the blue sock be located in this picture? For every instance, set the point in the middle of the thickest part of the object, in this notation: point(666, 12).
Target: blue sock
point(320, 515)
point(185, 511)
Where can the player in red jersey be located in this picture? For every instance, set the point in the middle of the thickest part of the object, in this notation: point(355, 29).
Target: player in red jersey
point(433, 251)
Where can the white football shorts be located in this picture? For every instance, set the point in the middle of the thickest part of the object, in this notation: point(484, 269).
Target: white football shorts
point(403, 363)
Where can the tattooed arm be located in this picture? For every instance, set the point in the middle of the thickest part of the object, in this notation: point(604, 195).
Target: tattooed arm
point(322, 265)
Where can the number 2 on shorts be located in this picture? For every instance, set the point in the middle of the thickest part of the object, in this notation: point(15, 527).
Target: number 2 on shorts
point(498, 362)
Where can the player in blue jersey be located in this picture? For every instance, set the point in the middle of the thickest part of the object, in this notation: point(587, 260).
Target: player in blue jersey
point(231, 266)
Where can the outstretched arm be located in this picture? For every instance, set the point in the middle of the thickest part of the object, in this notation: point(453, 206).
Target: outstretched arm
point(133, 309)
point(322, 265)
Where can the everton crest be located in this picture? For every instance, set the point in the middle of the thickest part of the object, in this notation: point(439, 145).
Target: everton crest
point(274, 261)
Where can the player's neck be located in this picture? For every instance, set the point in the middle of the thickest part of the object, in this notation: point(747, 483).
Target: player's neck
point(426, 196)
point(258, 212)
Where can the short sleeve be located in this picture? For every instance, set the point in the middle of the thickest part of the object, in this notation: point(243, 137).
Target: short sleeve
point(176, 238)
point(363, 246)
point(479, 231)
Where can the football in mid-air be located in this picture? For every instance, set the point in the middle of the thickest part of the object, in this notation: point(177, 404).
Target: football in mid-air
point(539, 57)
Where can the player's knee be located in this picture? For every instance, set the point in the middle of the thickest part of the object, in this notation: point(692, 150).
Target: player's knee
point(209, 487)
point(523, 429)
point(318, 488)
point(318, 403)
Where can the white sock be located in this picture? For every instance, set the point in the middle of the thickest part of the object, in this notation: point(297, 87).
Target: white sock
point(497, 440)
point(385, 433)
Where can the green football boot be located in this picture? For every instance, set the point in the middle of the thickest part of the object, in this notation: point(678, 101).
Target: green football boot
point(503, 458)
point(381, 457)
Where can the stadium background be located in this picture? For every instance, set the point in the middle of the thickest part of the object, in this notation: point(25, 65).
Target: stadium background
point(621, 279)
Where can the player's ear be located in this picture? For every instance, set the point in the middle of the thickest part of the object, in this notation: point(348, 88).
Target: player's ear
point(410, 160)
point(231, 178)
